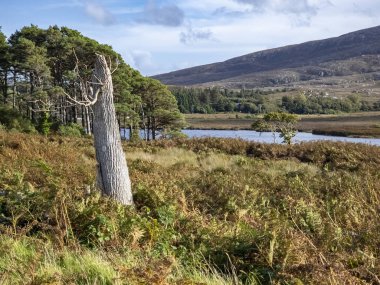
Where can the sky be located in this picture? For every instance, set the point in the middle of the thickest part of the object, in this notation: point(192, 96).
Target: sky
point(157, 36)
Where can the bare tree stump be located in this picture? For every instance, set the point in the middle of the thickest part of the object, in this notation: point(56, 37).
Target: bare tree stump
point(113, 177)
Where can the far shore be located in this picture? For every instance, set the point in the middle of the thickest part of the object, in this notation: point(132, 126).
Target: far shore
point(361, 125)
point(315, 132)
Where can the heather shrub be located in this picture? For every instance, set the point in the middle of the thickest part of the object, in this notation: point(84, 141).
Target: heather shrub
point(206, 211)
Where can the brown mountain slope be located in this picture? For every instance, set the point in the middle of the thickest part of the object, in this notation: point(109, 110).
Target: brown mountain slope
point(354, 53)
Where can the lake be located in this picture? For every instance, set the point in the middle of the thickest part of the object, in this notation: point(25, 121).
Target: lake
point(265, 137)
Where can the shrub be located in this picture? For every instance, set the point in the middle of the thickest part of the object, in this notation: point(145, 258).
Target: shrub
point(71, 130)
point(44, 124)
point(171, 134)
point(12, 119)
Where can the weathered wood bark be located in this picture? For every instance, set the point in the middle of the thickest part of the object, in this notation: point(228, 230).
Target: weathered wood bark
point(87, 120)
point(113, 176)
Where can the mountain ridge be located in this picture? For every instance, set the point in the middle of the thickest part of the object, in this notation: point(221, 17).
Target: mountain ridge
point(365, 42)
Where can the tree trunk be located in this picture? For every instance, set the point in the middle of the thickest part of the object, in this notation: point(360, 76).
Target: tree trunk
point(5, 90)
point(64, 115)
point(87, 120)
point(148, 129)
point(75, 115)
point(14, 88)
point(113, 176)
point(82, 118)
point(33, 118)
point(125, 128)
point(154, 129)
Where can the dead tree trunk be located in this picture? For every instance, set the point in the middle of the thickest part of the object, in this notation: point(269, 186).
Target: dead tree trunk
point(113, 176)
point(87, 120)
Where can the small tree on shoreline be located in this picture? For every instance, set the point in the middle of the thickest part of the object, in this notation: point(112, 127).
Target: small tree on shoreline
point(283, 123)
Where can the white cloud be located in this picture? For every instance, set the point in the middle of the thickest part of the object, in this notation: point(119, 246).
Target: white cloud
point(166, 15)
point(212, 5)
point(141, 59)
point(299, 12)
point(192, 36)
point(99, 13)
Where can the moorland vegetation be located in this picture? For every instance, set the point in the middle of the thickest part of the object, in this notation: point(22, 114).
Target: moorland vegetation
point(207, 211)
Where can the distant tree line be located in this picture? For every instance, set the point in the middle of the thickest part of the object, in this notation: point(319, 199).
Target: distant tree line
point(212, 100)
point(321, 103)
point(40, 67)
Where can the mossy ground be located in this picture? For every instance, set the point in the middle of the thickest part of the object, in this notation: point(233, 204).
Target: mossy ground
point(207, 211)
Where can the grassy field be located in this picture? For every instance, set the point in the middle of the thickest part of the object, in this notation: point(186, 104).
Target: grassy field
point(366, 124)
point(207, 211)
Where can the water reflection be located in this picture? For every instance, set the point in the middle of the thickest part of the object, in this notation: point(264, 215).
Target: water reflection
point(265, 137)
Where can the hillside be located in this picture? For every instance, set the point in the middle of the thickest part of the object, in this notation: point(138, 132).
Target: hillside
point(350, 55)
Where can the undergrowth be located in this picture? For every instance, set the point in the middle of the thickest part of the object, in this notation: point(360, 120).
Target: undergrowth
point(207, 211)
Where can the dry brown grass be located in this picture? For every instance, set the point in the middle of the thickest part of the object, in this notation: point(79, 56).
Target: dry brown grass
point(361, 124)
point(207, 211)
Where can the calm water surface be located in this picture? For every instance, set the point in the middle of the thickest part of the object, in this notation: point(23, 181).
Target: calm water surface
point(267, 137)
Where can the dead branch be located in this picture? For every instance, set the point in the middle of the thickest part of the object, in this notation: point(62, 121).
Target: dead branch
point(87, 102)
point(86, 88)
